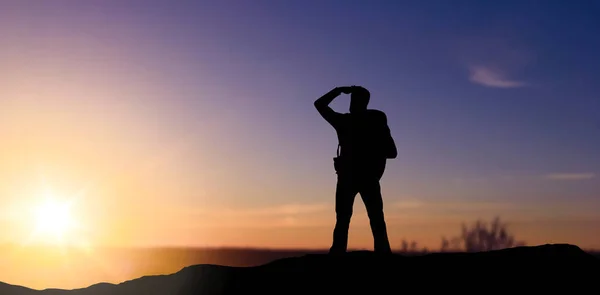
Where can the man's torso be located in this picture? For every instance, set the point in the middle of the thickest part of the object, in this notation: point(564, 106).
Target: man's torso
point(361, 139)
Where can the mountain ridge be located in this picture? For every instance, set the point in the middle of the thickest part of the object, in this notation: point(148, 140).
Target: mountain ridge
point(550, 265)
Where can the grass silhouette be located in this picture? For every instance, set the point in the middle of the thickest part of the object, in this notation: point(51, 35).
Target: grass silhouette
point(482, 236)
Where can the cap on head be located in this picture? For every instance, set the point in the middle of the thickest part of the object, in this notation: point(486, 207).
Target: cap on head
point(359, 99)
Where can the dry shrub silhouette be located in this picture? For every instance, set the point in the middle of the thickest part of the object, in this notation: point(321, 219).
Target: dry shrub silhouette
point(481, 236)
point(411, 247)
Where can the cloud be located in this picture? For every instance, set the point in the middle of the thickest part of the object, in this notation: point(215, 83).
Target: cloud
point(489, 77)
point(570, 176)
point(278, 216)
point(284, 215)
point(287, 209)
point(457, 206)
point(408, 204)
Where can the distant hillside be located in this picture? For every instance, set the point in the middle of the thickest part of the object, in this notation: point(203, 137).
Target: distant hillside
point(541, 268)
point(38, 267)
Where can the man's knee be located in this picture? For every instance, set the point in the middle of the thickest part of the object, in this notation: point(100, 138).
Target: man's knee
point(374, 206)
point(373, 203)
point(375, 213)
point(344, 204)
point(344, 217)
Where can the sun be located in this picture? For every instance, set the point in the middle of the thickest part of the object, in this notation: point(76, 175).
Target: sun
point(53, 220)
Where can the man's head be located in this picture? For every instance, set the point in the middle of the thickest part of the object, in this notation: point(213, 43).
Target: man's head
point(359, 99)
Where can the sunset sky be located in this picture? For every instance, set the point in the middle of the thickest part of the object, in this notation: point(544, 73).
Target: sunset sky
point(191, 123)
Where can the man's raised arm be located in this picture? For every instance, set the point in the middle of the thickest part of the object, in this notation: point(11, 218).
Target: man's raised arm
point(322, 104)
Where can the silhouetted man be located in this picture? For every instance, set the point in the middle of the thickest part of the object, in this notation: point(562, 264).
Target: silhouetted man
point(365, 143)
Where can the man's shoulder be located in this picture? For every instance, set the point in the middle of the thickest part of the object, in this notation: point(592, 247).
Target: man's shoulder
point(376, 113)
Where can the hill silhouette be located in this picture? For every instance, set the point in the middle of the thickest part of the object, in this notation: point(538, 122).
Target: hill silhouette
point(540, 268)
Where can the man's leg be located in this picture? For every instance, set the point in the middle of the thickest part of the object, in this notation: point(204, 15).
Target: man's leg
point(370, 192)
point(344, 201)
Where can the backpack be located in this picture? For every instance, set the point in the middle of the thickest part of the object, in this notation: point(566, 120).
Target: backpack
point(391, 152)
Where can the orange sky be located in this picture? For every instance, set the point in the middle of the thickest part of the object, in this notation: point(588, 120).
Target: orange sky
point(169, 126)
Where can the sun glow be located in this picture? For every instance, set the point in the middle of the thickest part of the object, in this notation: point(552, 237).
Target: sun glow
point(53, 220)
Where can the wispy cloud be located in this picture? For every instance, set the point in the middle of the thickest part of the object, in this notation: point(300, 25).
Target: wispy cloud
point(281, 210)
point(408, 204)
point(458, 205)
point(490, 77)
point(444, 212)
point(570, 176)
point(284, 215)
